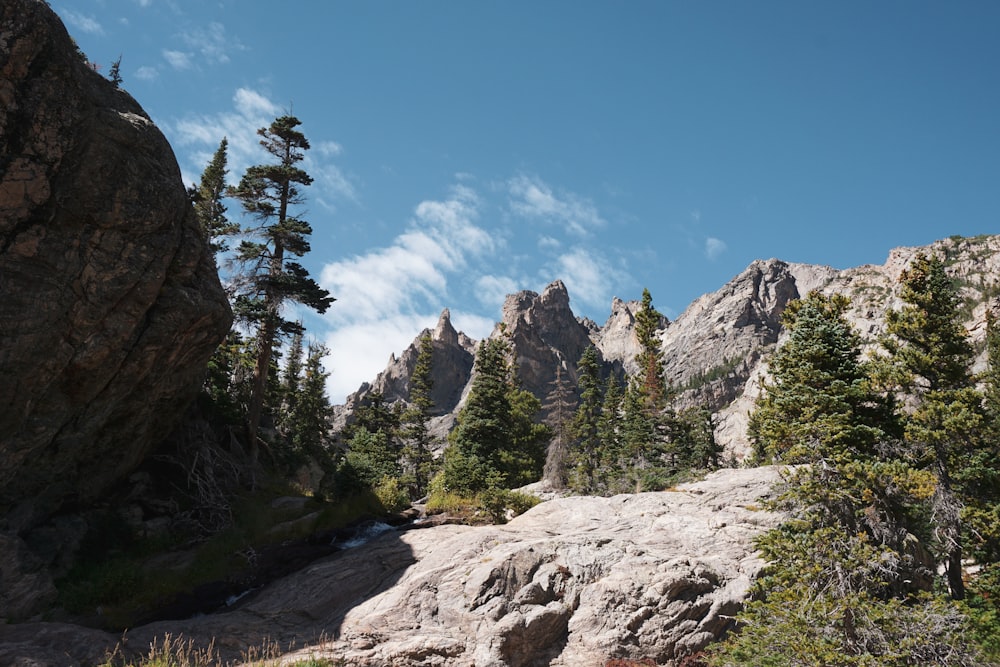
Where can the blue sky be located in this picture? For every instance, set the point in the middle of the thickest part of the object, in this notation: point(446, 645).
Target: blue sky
point(464, 150)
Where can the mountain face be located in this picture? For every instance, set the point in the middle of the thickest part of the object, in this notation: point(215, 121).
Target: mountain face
point(715, 353)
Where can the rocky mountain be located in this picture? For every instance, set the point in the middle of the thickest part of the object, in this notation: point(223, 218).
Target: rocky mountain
point(110, 303)
point(572, 582)
point(715, 353)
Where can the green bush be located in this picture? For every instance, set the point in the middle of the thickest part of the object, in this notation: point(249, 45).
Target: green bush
point(392, 495)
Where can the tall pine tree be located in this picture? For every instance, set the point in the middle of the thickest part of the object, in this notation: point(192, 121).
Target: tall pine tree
point(932, 358)
point(416, 419)
point(269, 194)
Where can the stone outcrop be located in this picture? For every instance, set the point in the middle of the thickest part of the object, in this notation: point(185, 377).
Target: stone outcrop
point(110, 304)
point(572, 582)
point(451, 369)
point(715, 353)
point(544, 335)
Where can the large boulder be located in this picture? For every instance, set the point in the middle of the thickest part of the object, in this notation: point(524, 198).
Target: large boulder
point(110, 303)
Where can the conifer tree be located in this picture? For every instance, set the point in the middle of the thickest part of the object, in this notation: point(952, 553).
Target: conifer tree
point(269, 193)
point(496, 442)
point(473, 461)
point(559, 403)
point(650, 360)
point(819, 400)
point(932, 357)
point(586, 451)
point(844, 584)
point(416, 419)
point(609, 434)
point(208, 197)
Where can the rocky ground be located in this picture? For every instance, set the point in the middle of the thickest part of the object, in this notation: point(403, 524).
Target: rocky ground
point(574, 581)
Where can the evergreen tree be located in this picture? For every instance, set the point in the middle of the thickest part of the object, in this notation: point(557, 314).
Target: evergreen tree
point(819, 399)
point(115, 72)
point(496, 442)
point(416, 419)
point(373, 448)
point(559, 403)
point(268, 193)
point(207, 198)
point(846, 579)
point(610, 435)
point(650, 360)
point(308, 425)
point(586, 452)
point(291, 376)
point(484, 424)
point(524, 459)
point(931, 357)
point(691, 443)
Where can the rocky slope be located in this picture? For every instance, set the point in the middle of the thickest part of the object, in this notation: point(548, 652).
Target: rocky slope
point(573, 581)
point(110, 304)
point(715, 353)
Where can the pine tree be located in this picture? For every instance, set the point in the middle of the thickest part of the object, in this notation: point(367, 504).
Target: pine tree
point(208, 196)
point(610, 435)
point(115, 72)
point(559, 403)
point(373, 448)
point(845, 583)
point(586, 451)
point(496, 442)
point(268, 193)
point(650, 360)
point(416, 419)
point(473, 461)
point(819, 400)
point(932, 357)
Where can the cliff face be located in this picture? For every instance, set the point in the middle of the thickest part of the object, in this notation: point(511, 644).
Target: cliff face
point(110, 304)
point(715, 353)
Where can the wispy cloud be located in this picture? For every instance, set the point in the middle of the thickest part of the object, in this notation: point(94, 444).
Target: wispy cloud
point(211, 43)
point(144, 3)
point(147, 73)
point(387, 295)
point(589, 277)
point(714, 247)
point(82, 22)
point(492, 290)
point(549, 243)
point(532, 197)
point(179, 60)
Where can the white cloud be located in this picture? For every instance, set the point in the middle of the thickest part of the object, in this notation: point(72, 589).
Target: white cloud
point(531, 197)
point(328, 148)
point(201, 134)
point(548, 243)
point(82, 22)
point(144, 3)
point(212, 43)
point(147, 73)
point(714, 247)
point(177, 59)
point(386, 296)
point(589, 277)
point(492, 290)
point(360, 350)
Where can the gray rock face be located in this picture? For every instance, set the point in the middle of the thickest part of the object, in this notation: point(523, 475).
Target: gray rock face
point(110, 304)
point(715, 353)
point(451, 369)
point(544, 335)
point(572, 582)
